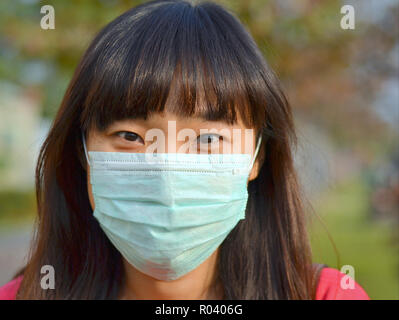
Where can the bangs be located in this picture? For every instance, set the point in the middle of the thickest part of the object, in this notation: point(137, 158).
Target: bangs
point(194, 61)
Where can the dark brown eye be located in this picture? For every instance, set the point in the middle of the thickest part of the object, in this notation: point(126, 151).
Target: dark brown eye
point(130, 136)
point(208, 139)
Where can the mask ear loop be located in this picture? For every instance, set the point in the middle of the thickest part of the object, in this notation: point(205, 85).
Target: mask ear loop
point(256, 152)
point(84, 147)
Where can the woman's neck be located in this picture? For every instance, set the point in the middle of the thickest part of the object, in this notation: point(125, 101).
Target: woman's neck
point(199, 284)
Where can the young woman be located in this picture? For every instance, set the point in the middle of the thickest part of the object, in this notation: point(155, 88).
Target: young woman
point(202, 219)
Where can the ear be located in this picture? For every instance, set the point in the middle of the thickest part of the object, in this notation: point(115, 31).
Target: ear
point(257, 164)
point(255, 171)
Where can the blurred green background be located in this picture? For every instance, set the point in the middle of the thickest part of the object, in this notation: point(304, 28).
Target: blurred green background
point(343, 86)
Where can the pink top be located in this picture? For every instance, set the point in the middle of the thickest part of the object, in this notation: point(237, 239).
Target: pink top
point(329, 288)
point(9, 290)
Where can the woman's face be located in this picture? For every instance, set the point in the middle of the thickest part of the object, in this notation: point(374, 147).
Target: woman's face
point(170, 133)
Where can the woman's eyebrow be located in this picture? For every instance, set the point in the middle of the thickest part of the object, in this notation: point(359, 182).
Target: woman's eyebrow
point(201, 119)
point(123, 123)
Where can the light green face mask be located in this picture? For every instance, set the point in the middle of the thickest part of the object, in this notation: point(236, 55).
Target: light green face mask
point(167, 213)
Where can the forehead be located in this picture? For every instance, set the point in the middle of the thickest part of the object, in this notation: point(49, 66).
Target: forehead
point(197, 119)
point(201, 108)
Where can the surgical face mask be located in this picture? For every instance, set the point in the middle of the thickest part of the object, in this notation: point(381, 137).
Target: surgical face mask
point(166, 213)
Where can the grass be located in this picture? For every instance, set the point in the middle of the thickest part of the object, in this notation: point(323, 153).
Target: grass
point(17, 208)
point(361, 242)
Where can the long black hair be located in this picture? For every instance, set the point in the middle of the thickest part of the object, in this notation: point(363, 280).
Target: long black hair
point(127, 72)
